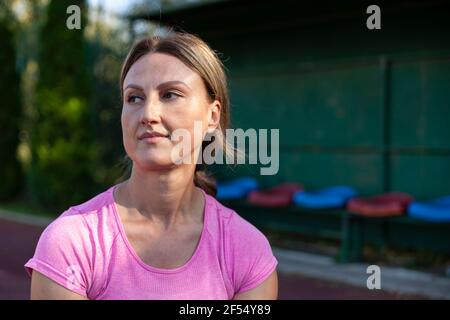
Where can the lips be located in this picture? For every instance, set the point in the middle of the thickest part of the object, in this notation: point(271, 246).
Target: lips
point(152, 134)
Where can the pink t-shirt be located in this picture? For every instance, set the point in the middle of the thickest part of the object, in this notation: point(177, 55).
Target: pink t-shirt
point(87, 251)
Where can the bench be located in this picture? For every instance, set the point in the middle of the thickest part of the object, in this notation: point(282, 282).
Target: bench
point(351, 230)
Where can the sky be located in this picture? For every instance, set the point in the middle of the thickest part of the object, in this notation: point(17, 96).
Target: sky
point(115, 6)
point(120, 6)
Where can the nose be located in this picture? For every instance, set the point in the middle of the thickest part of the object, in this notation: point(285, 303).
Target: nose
point(151, 113)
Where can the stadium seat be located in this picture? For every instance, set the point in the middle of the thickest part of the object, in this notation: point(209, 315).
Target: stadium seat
point(278, 196)
point(330, 197)
point(437, 210)
point(383, 205)
point(236, 189)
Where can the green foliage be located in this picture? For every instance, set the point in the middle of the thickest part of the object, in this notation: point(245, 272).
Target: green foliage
point(62, 55)
point(64, 155)
point(11, 109)
point(107, 49)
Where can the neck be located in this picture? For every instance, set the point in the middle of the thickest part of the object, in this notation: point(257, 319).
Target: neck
point(161, 196)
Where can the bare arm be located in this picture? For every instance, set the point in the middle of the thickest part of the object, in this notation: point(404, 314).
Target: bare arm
point(43, 288)
point(268, 290)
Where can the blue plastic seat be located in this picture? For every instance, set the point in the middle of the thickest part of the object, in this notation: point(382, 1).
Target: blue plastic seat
point(330, 197)
point(236, 189)
point(437, 210)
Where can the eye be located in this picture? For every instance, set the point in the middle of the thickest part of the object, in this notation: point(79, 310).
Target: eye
point(133, 99)
point(170, 95)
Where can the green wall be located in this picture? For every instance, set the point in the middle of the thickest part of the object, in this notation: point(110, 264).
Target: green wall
point(354, 106)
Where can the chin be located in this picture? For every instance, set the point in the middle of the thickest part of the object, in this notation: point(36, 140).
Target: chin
point(155, 163)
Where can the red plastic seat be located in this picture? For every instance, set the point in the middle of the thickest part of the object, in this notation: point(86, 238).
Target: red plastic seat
point(278, 196)
point(383, 205)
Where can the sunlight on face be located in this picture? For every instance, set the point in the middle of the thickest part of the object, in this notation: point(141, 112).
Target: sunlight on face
point(161, 94)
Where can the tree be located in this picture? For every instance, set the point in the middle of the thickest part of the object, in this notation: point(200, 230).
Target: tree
point(11, 110)
point(63, 153)
point(108, 41)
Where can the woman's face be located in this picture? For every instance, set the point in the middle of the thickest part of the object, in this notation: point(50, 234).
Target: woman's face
point(161, 95)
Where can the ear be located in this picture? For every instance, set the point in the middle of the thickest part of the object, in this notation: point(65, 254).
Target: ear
point(214, 116)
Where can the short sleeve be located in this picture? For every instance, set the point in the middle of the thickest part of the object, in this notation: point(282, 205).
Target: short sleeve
point(64, 252)
point(250, 260)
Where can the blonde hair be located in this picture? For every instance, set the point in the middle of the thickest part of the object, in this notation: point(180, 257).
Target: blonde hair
point(199, 57)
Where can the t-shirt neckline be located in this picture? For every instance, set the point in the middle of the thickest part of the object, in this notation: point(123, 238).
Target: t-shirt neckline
point(134, 253)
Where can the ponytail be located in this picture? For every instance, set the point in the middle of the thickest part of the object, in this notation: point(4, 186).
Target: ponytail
point(205, 180)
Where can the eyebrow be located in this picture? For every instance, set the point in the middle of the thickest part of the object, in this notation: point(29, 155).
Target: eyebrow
point(159, 87)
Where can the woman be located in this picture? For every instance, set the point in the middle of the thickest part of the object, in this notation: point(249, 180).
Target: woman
point(160, 234)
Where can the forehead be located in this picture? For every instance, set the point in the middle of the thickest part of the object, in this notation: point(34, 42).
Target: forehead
point(152, 69)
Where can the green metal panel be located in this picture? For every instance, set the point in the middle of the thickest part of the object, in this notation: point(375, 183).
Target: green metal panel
point(424, 176)
point(330, 107)
point(421, 104)
point(317, 170)
point(330, 123)
point(314, 72)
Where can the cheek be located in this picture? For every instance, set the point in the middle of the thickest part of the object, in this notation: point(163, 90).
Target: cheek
point(189, 121)
point(197, 129)
point(193, 112)
point(128, 120)
point(128, 123)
